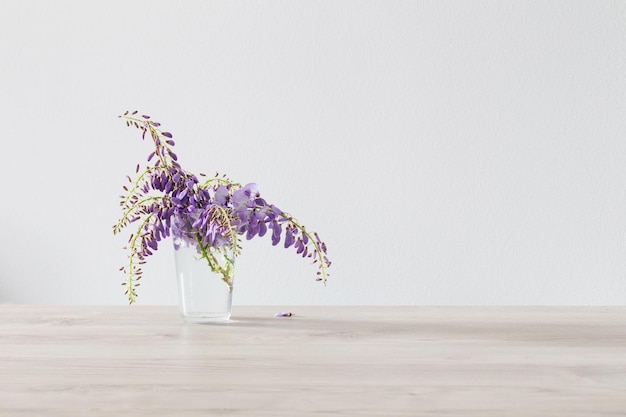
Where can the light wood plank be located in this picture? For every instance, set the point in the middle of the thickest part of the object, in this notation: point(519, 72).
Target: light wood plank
point(324, 361)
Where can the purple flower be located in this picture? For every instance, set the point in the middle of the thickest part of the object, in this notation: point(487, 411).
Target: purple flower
point(289, 237)
point(276, 231)
point(165, 200)
point(221, 195)
point(240, 198)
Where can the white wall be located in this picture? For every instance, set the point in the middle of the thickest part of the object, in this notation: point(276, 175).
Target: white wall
point(448, 152)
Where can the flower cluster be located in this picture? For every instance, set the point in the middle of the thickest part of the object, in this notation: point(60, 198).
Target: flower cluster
point(212, 214)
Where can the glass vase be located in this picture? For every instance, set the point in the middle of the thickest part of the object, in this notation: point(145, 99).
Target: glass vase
point(205, 281)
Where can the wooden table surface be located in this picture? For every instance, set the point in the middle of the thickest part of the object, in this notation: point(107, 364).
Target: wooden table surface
point(323, 361)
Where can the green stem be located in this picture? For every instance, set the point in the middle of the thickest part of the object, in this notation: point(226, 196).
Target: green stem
point(133, 244)
point(214, 263)
point(154, 133)
point(131, 192)
point(313, 241)
point(130, 210)
point(220, 181)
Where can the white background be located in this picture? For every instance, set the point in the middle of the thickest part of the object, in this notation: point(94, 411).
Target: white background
point(448, 152)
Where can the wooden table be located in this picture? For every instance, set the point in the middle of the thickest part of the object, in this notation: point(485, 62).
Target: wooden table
point(323, 361)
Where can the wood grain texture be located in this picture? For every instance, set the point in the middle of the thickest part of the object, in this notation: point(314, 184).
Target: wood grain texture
point(323, 361)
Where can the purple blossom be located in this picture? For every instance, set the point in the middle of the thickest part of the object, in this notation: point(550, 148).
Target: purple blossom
point(221, 195)
point(165, 200)
point(289, 237)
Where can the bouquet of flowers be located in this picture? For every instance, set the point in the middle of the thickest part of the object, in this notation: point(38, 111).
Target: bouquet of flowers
point(212, 213)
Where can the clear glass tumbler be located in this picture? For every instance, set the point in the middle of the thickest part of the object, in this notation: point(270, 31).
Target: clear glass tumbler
point(205, 288)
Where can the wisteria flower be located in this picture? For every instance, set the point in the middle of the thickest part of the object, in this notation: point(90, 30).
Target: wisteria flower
point(163, 200)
